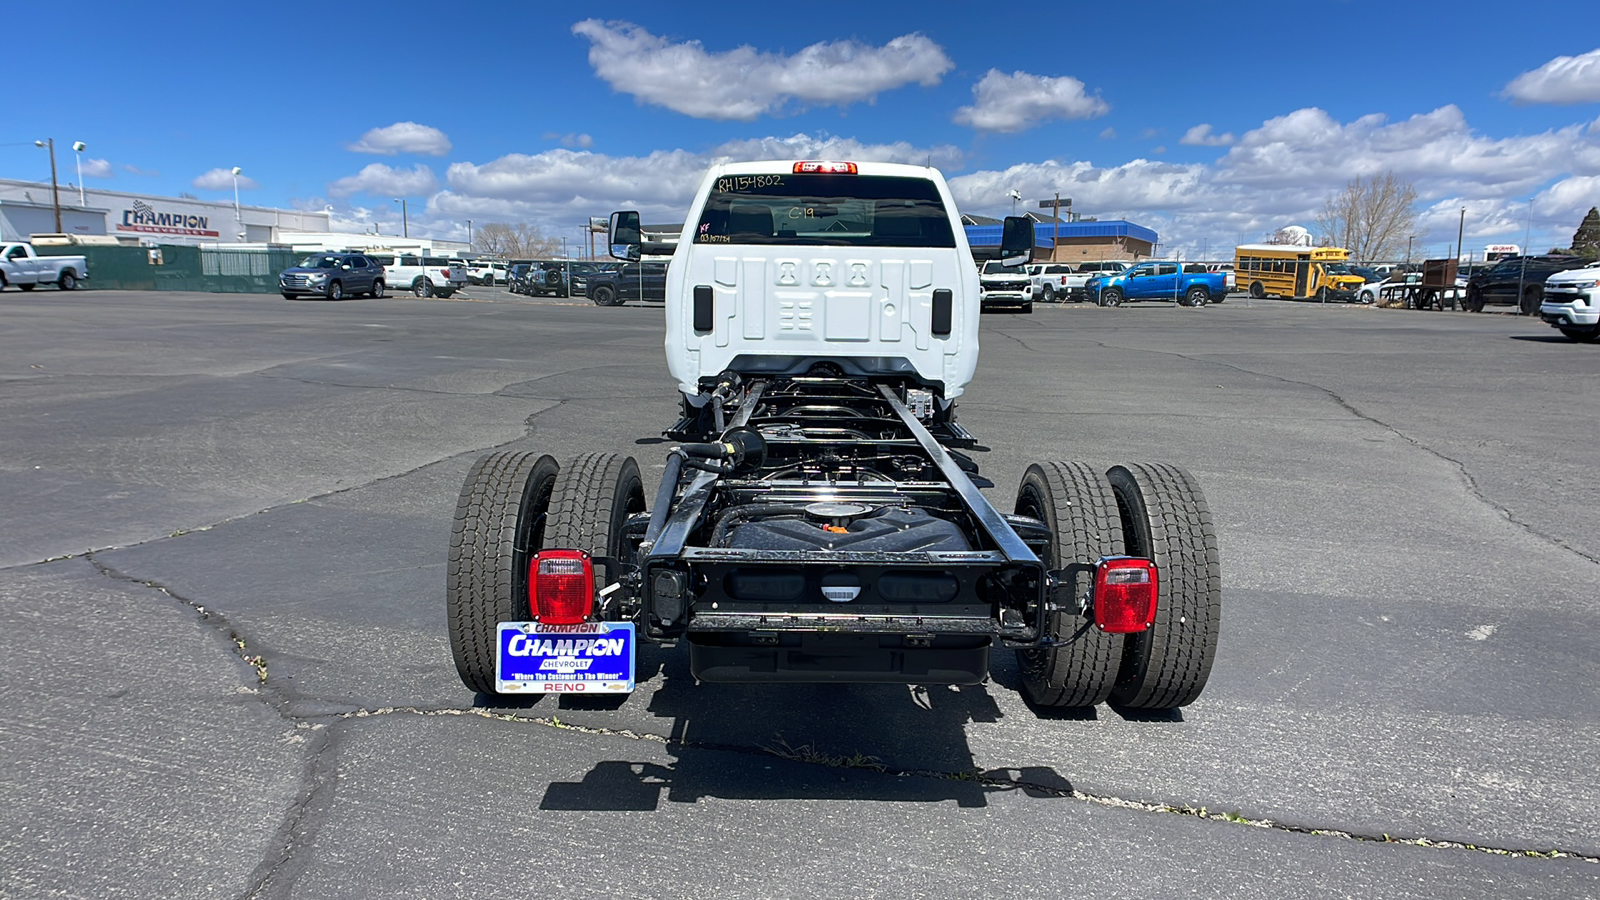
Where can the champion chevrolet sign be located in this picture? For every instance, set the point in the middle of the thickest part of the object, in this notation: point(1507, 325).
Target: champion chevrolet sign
point(142, 218)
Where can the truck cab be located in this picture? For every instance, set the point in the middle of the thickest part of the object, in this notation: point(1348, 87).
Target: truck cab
point(785, 264)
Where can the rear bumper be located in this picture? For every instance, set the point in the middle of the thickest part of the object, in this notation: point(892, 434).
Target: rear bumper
point(812, 657)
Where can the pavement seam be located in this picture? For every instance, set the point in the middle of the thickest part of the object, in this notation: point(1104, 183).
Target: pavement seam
point(806, 755)
point(88, 554)
point(275, 875)
point(1461, 469)
point(317, 778)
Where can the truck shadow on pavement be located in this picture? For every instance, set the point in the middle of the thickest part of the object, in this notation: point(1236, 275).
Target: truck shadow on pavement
point(886, 743)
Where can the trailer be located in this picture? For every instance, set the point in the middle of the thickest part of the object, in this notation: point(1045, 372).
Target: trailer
point(819, 518)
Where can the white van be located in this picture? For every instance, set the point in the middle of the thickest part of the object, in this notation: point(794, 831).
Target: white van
point(783, 266)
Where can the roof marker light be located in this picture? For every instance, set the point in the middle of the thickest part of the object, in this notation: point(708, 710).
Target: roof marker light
point(824, 167)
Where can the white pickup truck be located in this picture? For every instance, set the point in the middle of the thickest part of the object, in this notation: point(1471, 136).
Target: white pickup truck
point(1073, 287)
point(20, 266)
point(423, 276)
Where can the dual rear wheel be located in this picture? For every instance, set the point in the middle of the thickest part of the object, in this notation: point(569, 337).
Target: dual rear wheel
point(1153, 511)
point(511, 506)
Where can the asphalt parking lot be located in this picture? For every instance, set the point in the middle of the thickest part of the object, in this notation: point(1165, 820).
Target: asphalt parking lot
point(225, 670)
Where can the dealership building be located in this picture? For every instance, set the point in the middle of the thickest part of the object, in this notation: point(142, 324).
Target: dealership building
point(28, 208)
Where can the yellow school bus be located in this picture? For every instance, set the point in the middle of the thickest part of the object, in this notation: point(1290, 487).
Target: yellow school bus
point(1295, 273)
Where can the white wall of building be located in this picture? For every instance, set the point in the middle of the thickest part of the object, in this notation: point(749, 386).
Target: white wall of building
point(26, 208)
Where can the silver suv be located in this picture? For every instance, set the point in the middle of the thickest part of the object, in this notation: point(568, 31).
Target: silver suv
point(332, 275)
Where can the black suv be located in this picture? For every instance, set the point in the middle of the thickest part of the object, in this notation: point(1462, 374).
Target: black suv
point(517, 278)
point(332, 275)
point(1516, 279)
point(630, 281)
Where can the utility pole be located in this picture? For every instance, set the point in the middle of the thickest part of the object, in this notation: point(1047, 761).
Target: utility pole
point(1460, 229)
point(1055, 211)
point(55, 190)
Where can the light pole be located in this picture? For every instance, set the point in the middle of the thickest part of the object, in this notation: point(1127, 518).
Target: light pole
point(1409, 239)
point(78, 147)
point(238, 219)
point(1461, 228)
point(1014, 198)
point(405, 223)
point(55, 191)
point(469, 235)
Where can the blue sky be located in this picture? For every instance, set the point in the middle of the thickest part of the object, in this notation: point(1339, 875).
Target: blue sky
point(1208, 122)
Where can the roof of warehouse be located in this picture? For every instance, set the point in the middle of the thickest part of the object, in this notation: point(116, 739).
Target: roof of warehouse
point(1044, 232)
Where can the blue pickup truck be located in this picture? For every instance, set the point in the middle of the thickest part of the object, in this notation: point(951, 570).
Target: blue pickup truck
point(1187, 283)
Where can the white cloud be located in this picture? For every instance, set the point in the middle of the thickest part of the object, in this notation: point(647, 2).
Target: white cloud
point(1108, 134)
point(381, 180)
point(149, 173)
point(403, 137)
point(573, 185)
point(1565, 79)
point(222, 180)
point(581, 141)
point(97, 168)
point(1201, 136)
point(1277, 173)
point(1020, 101)
point(744, 83)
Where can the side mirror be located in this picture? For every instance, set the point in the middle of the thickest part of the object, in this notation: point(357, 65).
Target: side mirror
point(345, 267)
point(625, 235)
point(1016, 241)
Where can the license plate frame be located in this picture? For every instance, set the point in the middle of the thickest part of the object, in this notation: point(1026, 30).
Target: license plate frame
point(589, 658)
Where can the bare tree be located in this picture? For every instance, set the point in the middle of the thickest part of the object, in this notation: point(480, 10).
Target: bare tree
point(1371, 217)
point(519, 241)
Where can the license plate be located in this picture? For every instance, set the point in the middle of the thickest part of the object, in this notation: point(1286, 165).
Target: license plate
point(592, 658)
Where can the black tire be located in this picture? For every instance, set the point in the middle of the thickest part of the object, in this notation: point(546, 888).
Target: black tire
point(594, 494)
point(1365, 298)
point(422, 287)
point(336, 290)
point(1111, 297)
point(1196, 296)
point(26, 287)
point(1582, 335)
point(1473, 301)
point(1257, 291)
point(1165, 519)
point(1532, 296)
point(68, 280)
point(1049, 294)
point(603, 295)
point(289, 296)
point(377, 289)
point(500, 519)
point(1077, 504)
point(1027, 308)
point(445, 294)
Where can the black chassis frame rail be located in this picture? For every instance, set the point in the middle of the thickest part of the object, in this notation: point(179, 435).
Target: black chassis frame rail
point(668, 606)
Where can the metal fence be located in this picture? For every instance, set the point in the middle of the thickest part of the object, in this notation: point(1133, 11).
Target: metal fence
point(173, 267)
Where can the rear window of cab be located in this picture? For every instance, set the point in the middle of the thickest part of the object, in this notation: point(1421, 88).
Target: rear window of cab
point(827, 210)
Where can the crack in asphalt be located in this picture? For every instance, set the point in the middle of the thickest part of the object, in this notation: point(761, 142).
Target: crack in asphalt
point(1461, 469)
point(998, 779)
point(286, 504)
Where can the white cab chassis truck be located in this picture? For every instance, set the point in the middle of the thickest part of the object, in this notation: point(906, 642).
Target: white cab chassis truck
point(817, 519)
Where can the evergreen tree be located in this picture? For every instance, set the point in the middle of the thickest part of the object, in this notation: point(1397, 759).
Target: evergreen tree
point(1586, 240)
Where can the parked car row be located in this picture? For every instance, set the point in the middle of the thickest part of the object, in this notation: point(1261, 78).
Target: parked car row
point(335, 276)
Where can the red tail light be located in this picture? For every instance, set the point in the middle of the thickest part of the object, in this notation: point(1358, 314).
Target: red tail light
point(561, 586)
point(827, 167)
point(1124, 594)
point(445, 273)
